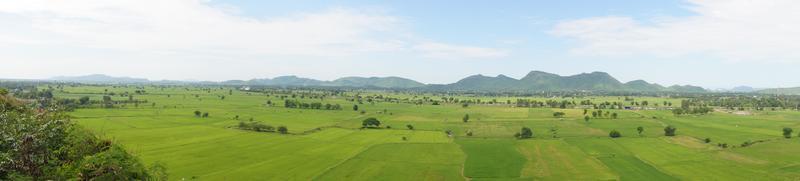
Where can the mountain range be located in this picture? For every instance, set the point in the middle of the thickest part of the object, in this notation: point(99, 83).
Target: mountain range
point(534, 81)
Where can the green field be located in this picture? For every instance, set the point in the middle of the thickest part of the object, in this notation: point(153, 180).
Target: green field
point(331, 145)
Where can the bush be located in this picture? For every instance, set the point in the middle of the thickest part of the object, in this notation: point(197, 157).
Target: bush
point(614, 134)
point(670, 131)
point(787, 132)
point(410, 127)
point(283, 130)
point(707, 140)
point(524, 133)
point(370, 122)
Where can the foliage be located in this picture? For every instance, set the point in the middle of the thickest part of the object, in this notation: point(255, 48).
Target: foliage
point(670, 131)
point(524, 133)
point(370, 122)
point(44, 144)
point(787, 132)
point(614, 134)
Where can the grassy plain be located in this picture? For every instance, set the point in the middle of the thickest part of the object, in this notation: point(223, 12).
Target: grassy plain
point(329, 144)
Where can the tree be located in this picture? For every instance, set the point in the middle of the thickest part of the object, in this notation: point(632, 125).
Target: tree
point(585, 111)
point(787, 132)
point(205, 115)
point(586, 119)
point(197, 113)
point(465, 118)
point(670, 131)
point(613, 115)
point(3, 91)
point(370, 122)
point(283, 129)
point(465, 105)
point(640, 130)
point(707, 140)
point(84, 100)
point(559, 114)
point(525, 132)
point(614, 134)
point(355, 107)
point(410, 127)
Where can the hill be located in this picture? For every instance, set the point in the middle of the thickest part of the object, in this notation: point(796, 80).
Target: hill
point(543, 81)
point(534, 81)
point(791, 90)
point(99, 78)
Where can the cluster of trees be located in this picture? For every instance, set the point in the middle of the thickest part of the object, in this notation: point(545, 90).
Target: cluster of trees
point(559, 114)
point(261, 127)
point(44, 144)
point(199, 114)
point(746, 101)
point(600, 113)
point(694, 110)
point(315, 105)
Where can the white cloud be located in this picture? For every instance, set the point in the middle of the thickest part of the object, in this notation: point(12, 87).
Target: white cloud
point(193, 26)
point(736, 30)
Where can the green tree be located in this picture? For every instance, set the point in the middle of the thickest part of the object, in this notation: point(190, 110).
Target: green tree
point(355, 107)
point(614, 134)
point(371, 122)
point(613, 115)
point(787, 132)
point(84, 100)
point(524, 133)
point(465, 118)
point(197, 113)
point(670, 131)
point(640, 130)
point(707, 140)
point(559, 114)
point(586, 119)
point(283, 129)
point(410, 127)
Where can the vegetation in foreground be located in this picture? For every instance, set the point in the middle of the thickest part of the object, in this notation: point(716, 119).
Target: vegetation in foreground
point(435, 136)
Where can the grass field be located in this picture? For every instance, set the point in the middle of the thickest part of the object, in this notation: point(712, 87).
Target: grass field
point(330, 144)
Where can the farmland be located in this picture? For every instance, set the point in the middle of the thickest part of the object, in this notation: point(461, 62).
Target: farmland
point(450, 140)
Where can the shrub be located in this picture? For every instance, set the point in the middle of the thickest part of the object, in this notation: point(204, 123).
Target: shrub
point(524, 133)
point(614, 134)
point(283, 129)
point(670, 131)
point(787, 132)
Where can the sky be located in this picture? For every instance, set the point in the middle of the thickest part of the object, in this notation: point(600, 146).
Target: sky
point(709, 43)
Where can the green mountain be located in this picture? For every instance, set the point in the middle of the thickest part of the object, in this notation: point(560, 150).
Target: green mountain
point(685, 88)
point(792, 90)
point(382, 82)
point(534, 81)
point(543, 81)
point(99, 78)
point(641, 85)
point(379, 82)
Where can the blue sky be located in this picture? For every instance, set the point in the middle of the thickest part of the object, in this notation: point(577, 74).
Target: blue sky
point(715, 44)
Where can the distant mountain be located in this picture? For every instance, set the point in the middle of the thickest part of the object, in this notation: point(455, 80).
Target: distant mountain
point(99, 78)
point(543, 81)
point(743, 89)
point(641, 85)
point(379, 82)
point(792, 90)
point(685, 88)
point(534, 81)
point(382, 82)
